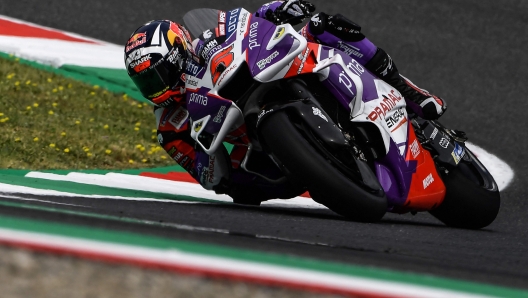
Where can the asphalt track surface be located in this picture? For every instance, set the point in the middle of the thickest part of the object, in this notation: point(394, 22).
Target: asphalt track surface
point(472, 53)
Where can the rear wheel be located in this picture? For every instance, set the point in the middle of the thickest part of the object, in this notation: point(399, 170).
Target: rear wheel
point(472, 198)
point(318, 170)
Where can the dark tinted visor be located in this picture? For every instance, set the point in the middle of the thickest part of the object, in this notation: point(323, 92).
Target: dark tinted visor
point(157, 79)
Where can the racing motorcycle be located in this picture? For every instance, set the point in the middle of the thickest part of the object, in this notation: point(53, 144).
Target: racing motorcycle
point(329, 125)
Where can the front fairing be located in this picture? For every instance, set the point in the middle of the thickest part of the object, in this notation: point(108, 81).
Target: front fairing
point(250, 42)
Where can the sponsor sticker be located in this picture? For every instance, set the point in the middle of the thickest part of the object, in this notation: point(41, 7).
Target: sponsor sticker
point(415, 149)
point(262, 63)
point(303, 56)
point(133, 56)
point(222, 17)
point(262, 113)
point(458, 153)
point(186, 163)
point(207, 47)
point(433, 135)
point(159, 93)
point(177, 157)
point(280, 31)
point(172, 150)
point(192, 68)
point(174, 55)
point(192, 82)
point(316, 20)
point(318, 112)
point(136, 40)
point(197, 98)
point(349, 49)
point(428, 181)
point(385, 106)
point(355, 67)
point(232, 20)
point(396, 117)
point(141, 63)
point(226, 73)
point(347, 82)
point(444, 143)
point(198, 126)
point(219, 115)
point(179, 117)
point(207, 34)
point(211, 169)
point(243, 21)
point(253, 41)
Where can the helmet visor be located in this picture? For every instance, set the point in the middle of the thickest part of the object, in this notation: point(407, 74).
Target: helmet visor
point(157, 79)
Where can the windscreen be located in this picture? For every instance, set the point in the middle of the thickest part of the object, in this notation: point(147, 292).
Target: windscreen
point(200, 19)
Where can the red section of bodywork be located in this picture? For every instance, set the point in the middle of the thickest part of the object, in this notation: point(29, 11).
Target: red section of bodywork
point(305, 62)
point(427, 190)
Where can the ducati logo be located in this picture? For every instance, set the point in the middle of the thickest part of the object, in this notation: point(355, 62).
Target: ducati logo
point(316, 20)
point(198, 126)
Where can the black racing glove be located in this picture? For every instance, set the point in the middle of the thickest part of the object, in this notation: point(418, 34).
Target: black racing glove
point(290, 12)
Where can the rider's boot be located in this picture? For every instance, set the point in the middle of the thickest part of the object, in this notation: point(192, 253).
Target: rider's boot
point(420, 101)
point(339, 32)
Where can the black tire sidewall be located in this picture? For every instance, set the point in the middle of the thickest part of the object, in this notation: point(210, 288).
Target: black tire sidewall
point(326, 184)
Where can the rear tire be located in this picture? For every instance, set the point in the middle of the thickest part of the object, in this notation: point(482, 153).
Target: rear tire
point(472, 198)
point(326, 184)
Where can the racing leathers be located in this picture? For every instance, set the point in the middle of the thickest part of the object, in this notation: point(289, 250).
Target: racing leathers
point(221, 172)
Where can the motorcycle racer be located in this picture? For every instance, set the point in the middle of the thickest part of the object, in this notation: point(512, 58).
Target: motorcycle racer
point(158, 54)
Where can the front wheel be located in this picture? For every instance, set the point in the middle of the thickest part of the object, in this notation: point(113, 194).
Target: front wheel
point(315, 171)
point(472, 198)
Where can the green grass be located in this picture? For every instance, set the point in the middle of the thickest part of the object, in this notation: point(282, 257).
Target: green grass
point(51, 122)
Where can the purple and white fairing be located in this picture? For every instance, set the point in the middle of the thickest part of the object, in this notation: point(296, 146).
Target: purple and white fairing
point(371, 100)
point(362, 50)
point(269, 51)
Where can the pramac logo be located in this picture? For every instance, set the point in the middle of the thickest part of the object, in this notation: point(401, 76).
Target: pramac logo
point(384, 106)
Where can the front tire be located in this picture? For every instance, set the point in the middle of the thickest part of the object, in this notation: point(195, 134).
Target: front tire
point(472, 198)
point(326, 184)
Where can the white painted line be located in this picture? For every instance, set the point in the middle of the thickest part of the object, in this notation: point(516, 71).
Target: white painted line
point(133, 182)
point(229, 267)
point(7, 191)
point(75, 35)
point(58, 52)
point(19, 198)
